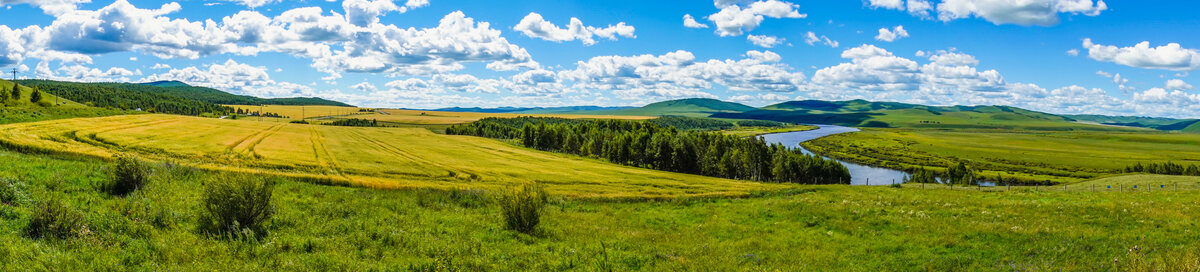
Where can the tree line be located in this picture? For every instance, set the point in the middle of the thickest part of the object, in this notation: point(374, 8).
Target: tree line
point(1166, 168)
point(648, 145)
point(958, 174)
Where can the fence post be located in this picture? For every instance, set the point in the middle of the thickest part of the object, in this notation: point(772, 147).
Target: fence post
point(868, 181)
point(1122, 188)
point(1093, 188)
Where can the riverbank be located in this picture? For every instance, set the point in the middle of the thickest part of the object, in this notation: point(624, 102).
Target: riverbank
point(859, 174)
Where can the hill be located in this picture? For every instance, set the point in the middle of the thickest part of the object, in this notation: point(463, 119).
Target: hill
point(215, 96)
point(1194, 128)
point(530, 110)
point(862, 113)
point(691, 107)
point(1159, 123)
point(125, 96)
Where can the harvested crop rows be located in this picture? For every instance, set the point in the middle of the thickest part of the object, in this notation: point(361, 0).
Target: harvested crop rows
point(370, 157)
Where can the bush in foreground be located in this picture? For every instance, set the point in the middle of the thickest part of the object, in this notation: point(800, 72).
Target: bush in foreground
point(128, 174)
point(522, 208)
point(53, 219)
point(237, 205)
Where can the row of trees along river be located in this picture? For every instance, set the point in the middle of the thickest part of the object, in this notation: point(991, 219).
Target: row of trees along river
point(647, 145)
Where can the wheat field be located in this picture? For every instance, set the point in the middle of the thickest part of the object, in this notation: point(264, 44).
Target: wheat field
point(370, 157)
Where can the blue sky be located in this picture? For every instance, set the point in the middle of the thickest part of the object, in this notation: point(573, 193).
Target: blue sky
point(1059, 56)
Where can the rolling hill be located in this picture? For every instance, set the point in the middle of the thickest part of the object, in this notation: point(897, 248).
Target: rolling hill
point(862, 113)
point(1159, 123)
point(215, 96)
point(530, 110)
point(691, 107)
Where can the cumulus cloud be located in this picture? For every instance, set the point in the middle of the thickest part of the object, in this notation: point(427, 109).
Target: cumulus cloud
point(51, 7)
point(690, 22)
point(891, 35)
point(1178, 85)
point(812, 39)
point(735, 19)
point(533, 25)
point(679, 74)
point(367, 12)
point(234, 77)
point(252, 3)
point(764, 40)
point(1000, 12)
point(1167, 57)
point(1073, 52)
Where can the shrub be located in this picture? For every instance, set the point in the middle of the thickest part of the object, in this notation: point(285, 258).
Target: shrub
point(11, 192)
point(522, 208)
point(237, 205)
point(128, 174)
point(53, 219)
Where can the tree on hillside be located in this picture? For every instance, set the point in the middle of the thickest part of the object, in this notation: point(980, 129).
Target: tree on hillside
point(16, 91)
point(36, 96)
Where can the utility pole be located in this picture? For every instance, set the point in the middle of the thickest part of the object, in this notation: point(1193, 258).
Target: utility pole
point(14, 71)
point(260, 112)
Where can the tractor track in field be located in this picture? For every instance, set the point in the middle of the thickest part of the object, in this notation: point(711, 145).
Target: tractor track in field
point(395, 150)
point(254, 139)
point(319, 147)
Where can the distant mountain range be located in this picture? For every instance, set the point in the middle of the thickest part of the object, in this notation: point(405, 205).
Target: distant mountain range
point(862, 113)
point(532, 110)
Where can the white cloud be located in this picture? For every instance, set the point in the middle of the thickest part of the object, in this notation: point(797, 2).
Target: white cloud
point(534, 26)
point(679, 74)
point(812, 39)
point(892, 35)
point(1073, 52)
point(160, 66)
point(235, 77)
point(764, 40)
point(51, 7)
point(690, 22)
point(734, 19)
point(1167, 57)
point(367, 12)
point(1178, 85)
point(364, 87)
point(252, 3)
point(1018, 12)
point(888, 4)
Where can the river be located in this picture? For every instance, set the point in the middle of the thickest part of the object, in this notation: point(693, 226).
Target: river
point(859, 174)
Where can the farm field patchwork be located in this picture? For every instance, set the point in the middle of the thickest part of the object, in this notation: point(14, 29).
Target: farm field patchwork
point(448, 118)
point(370, 157)
point(301, 112)
point(1028, 156)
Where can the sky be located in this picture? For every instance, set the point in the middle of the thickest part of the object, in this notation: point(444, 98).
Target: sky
point(1060, 56)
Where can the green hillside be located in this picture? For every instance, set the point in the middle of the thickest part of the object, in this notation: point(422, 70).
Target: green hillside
point(215, 96)
point(862, 113)
point(1158, 123)
point(27, 92)
point(691, 107)
point(1194, 128)
point(126, 96)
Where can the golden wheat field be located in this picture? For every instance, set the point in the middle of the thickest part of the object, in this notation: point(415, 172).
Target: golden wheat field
point(370, 157)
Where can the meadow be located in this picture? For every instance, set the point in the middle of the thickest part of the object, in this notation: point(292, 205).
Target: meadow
point(810, 228)
point(301, 112)
point(1028, 156)
point(386, 158)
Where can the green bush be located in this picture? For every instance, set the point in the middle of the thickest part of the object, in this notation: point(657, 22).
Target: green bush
point(237, 205)
point(128, 174)
point(53, 219)
point(522, 208)
point(11, 192)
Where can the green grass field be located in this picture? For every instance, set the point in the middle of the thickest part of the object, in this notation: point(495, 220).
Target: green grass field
point(386, 158)
point(812, 228)
point(1030, 156)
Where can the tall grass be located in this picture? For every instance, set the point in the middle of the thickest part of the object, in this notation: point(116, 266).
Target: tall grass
point(54, 219)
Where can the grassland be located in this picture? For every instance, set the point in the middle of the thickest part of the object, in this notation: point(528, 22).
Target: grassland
point(754, 131)
point(1029, 156)
point(370, 157)
point(815, 228)
point(420, 117)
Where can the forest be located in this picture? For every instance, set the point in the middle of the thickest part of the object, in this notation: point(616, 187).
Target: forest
point(111, 96)
point(648, 145)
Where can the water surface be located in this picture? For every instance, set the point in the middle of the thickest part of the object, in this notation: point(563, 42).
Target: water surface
point(859, 174)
